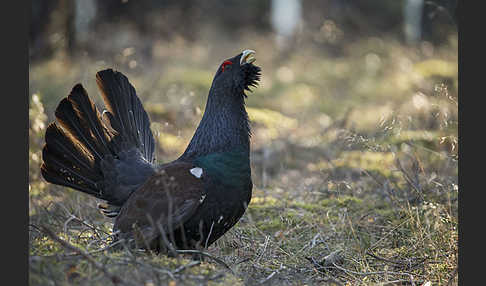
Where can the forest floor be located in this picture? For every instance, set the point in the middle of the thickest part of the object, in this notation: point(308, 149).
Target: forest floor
point(354, 164)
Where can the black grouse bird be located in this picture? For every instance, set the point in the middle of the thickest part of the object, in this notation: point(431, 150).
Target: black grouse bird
point(185, 204)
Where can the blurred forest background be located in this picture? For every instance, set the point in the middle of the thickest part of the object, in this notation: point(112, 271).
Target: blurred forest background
point(354, 147)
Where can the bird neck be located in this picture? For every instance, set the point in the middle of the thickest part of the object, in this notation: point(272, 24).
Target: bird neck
point(223, 127)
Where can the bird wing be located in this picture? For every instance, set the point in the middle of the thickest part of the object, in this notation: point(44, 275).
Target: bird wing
point(163, 204)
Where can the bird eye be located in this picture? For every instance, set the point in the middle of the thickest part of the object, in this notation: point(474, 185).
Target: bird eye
point(225, 63)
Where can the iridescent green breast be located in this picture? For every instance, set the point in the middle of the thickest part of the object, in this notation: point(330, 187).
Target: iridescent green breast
point(232, 168)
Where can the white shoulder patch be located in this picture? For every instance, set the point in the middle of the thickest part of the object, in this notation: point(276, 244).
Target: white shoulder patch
point(202, 199)
point(197, 172)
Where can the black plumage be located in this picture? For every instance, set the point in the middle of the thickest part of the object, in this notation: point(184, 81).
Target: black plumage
point(188, 203)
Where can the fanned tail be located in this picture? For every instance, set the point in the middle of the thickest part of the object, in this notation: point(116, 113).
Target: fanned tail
point(106, 160)
point(126, 115)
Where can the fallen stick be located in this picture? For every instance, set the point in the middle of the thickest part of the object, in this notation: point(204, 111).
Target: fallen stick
point(185, 251)
point(113, 278)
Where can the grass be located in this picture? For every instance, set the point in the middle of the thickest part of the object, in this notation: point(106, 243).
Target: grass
point(354, 163)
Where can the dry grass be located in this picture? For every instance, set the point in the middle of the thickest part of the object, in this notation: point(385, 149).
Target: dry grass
point(354, 164)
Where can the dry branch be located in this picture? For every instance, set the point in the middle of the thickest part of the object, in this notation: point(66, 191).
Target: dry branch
point(113, 278)
point(202, 253)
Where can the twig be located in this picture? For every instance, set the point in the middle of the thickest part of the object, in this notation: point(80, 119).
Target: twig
point(453, 275)
point(386, 187)
point(266, 279)
point(242, 260)
point(265, 244)
point(107, 247)
point(113, 278)
point(409, 180)
point(394, 282)
point(72, 255)
point(157, 269)
point(373, 273)
point(332, 281)
point(164, 237)
point(35, 227)
point(442, 156)
point(387, 234)
point(311, 243)
point(73, 217)
point(188, 265)
point(192, 251)
point(209, 235)
point(400, 263)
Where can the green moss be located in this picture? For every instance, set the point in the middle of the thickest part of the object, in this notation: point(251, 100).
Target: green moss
point(312, 207)
point(272, 224)
point(381, 162)
point(433, 67)
point(194, 78)
point(342, 201)
point(44, 246)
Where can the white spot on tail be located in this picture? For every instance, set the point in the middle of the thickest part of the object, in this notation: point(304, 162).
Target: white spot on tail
point(220, 219)
point(197, 172)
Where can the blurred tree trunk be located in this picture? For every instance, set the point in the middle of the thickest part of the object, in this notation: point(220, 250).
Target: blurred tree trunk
point(39, 21)
point(84, 14)
point(413, 20)
point(439, 18)
point(286, 15)
point(65, 26)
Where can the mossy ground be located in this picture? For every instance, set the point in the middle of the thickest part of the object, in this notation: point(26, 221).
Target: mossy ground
point(354, 156)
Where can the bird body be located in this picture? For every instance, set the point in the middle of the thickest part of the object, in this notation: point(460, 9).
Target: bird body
point(186, 204)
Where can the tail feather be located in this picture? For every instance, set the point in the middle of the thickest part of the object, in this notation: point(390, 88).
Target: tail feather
point(63, 147)
point(61, 172)
point(105, 159)
point(126, 114)
point(89, 117)
point(76, 146)
point(68, 119)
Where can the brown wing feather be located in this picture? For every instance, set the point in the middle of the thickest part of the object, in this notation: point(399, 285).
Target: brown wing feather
point(166, 200)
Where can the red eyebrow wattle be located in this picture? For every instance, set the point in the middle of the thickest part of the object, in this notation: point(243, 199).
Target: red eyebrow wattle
point(225, 63)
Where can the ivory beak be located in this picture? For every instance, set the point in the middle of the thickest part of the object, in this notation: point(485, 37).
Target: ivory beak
point(247, 57)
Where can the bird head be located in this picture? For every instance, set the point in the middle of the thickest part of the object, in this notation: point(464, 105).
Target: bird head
point(225, 125)
point(237, 74)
